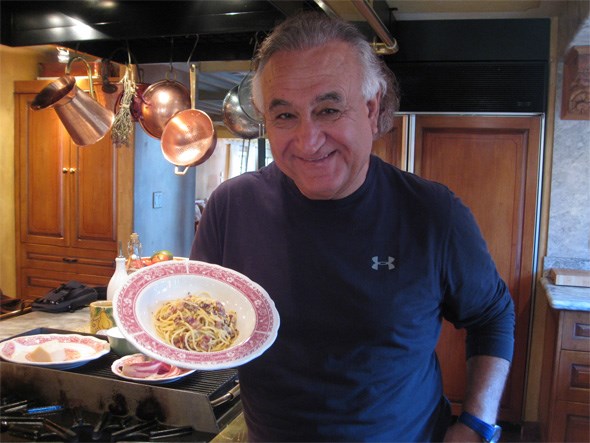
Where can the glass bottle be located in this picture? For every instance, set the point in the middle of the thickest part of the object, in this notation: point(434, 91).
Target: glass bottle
point(134, 254)
point(119, 276)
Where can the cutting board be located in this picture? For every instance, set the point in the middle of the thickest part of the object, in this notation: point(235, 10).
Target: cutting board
point(571, 277)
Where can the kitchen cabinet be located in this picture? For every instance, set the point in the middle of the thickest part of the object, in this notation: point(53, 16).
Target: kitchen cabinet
point(564, 402)
point(492, 164)
point(391, 147)
point(72, 203)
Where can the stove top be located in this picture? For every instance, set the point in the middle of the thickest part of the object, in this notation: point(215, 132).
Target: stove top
point(90, 403)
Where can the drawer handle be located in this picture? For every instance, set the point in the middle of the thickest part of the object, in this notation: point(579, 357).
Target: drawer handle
point(70, 260)
point(582, 330)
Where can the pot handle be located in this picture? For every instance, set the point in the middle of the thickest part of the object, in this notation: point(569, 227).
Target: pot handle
point(230, 395)
point(177, 171)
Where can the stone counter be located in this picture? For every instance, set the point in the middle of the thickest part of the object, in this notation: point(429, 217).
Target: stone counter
point(78, 321)
point(570, 298)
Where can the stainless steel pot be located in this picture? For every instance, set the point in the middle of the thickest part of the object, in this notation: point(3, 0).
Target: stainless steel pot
point(235, 119)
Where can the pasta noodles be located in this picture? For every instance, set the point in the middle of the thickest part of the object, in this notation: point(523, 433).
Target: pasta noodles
point(196, 323)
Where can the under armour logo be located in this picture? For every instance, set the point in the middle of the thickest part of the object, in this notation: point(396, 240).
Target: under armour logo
point(388, 263)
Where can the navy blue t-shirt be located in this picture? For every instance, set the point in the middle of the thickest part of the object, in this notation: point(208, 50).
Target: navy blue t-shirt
point(361, 285)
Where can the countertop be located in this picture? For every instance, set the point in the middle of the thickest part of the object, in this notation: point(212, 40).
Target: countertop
point(78, 321)
point(571, 298)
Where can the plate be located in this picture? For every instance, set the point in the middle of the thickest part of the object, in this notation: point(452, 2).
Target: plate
point(174, 374)
point(135, 303)
point(80, 349)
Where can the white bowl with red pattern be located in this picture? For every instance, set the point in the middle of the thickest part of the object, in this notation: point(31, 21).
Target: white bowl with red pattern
point(136, 302)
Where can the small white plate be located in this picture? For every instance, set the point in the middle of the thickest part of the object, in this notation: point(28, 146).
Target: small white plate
point(80, 349)
point(174, 374)
point(135, 303)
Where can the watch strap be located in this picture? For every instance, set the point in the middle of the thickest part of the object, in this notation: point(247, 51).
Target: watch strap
point(484, 429)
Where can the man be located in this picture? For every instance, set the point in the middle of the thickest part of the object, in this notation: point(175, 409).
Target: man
point(362, 260)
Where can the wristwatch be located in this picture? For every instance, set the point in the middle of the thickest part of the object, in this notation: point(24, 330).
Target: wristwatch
point(489, 433)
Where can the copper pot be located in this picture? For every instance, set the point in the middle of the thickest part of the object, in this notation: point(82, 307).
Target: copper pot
point(189, 137)
point(135, 107)
point(84, 118)
point(162, 101)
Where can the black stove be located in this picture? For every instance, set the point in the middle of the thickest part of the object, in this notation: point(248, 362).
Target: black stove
point(91, 404)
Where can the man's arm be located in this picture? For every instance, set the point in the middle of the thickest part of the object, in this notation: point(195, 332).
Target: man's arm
point(486, 377)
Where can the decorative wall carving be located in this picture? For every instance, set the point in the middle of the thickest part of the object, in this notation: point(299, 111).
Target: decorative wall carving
point(575, 103)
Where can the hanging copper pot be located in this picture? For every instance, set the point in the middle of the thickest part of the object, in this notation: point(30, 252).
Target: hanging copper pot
point(84, 118)
point(162, 101)
point(189, 137)
point(136, 102)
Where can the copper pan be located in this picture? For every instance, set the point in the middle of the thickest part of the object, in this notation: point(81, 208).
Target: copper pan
point(189, 137)
point(160, 102)
point(136, 102)
point(84, 118)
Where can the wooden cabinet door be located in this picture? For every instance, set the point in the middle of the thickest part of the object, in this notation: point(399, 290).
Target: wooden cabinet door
point(391, 147)
point(491, 163)
point(42, 183)
point(93, 223)
point(67, 193)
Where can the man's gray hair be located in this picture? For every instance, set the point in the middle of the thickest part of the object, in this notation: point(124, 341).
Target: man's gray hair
point(312, 29)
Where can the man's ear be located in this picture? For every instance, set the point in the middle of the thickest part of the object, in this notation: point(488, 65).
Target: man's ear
point(373, 108)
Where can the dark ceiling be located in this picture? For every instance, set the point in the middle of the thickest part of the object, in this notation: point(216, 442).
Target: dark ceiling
point(154, 31)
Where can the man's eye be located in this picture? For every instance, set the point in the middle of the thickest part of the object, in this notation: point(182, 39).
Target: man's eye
point(330, 113)
point(284, 116)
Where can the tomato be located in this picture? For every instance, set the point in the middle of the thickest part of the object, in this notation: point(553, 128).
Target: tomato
point(146, 261)
point(162, 255)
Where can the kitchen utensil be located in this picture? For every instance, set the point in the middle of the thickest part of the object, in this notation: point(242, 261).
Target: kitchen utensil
point(150, 287)
point(245, 98)
point(235, 118)
point(162, 101)
point(189, 137)
point(83, 117)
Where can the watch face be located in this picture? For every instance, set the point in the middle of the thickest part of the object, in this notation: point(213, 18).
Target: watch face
point(497, 433)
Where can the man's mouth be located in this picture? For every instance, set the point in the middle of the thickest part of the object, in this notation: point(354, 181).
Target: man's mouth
point(317, 159)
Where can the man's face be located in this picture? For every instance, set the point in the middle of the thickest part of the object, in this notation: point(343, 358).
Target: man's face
point(319, 125)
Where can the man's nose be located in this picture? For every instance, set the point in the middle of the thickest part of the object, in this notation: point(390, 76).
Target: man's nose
point(309, 135)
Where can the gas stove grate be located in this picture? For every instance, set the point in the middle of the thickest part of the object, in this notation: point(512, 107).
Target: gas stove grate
point(209, 383)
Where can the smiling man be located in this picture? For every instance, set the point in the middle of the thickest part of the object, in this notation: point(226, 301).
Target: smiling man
point(362, 260)
point(318, 119)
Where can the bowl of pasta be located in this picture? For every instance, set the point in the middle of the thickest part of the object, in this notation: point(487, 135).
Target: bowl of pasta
point(195, 315)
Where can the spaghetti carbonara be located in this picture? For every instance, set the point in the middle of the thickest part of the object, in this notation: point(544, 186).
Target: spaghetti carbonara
point(196, 323)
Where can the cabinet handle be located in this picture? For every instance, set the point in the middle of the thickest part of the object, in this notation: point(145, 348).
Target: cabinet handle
point(72, 170)
point(64, 170)
point(70, 260)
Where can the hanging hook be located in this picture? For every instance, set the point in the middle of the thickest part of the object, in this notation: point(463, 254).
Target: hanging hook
point(171, 53)
point(254, 50)
point(190, 56)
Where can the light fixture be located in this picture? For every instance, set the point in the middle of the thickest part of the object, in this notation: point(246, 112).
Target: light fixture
point(83, 117)
point(63, 55)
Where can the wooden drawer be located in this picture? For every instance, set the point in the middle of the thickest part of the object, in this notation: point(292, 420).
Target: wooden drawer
point(38, 282)
point(576, 331)
point(69, 260)
point(570, 422)
point(573, 381)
